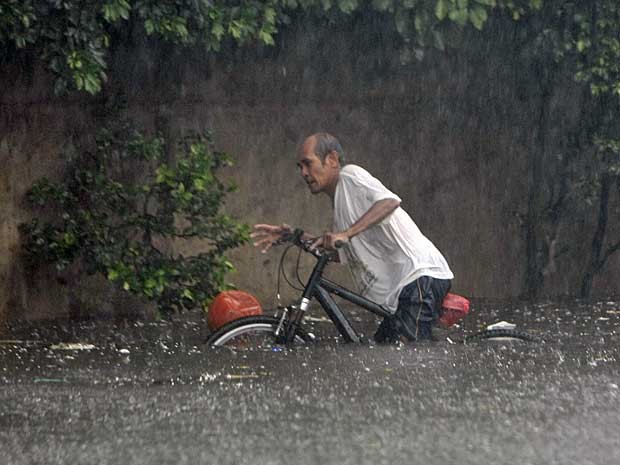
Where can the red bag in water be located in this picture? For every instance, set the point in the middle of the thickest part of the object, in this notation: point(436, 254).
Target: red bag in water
point(454, 308)
point(231, 305)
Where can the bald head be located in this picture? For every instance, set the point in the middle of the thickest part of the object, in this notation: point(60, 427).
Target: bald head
point(323, 143)
point(319, 163)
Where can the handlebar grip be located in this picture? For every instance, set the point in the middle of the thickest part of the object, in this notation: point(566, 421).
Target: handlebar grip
point(297, 235)
point(339, 244)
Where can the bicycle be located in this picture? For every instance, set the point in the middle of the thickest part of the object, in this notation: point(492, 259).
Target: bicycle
point(286, 326)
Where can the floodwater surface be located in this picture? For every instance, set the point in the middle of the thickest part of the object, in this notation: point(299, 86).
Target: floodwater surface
point(151, 393)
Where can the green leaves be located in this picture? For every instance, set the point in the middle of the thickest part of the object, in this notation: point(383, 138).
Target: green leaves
point(16, 22)
point(115, 10)
point(462, 11)
point(348, 6)
point(588, 40)
point(442, 9)
point(118, 207)
point(74, 40)
point(478, 16)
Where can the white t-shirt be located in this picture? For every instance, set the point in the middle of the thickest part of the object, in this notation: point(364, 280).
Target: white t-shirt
point(388, 255)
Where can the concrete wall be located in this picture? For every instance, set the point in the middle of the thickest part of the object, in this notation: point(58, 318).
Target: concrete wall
point(449, 134)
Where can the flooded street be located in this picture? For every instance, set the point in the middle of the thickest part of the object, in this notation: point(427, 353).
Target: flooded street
point(151, 393)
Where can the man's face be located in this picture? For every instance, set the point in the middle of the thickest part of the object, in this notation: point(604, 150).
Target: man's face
point(319, 175)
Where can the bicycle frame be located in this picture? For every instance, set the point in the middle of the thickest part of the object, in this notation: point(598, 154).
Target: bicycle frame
point(321, 289)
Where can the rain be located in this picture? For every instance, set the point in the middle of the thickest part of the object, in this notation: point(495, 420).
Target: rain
point(141, 140)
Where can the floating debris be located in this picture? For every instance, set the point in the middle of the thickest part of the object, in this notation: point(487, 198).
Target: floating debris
point(320, 319)
point(50, 380)
point(242, 376)
point(501, 325)
point(73, 346)
point(14, 342)
point(207, 377)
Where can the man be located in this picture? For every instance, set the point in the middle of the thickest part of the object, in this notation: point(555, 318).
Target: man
point(393, 263)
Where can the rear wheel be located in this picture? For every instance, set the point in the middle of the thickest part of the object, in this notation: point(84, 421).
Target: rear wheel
point(499, 335)
point(252, 332)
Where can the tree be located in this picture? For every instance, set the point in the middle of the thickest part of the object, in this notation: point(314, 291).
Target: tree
point(597, 45)
point(75, 37)
point(120, 210)
point(579, 40)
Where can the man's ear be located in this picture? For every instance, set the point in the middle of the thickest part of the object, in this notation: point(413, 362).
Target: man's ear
point(333, 158)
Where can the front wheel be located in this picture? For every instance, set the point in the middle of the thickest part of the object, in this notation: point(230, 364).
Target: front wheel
point(252, 332)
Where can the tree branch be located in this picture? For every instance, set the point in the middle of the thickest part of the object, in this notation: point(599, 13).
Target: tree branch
point(608, 253)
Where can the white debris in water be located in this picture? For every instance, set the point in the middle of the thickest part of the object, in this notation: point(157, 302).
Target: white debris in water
point(206, 377)
point(320, 319)
point(241, 376)
point(72, 346)
point(502, 325)
point(123, 351)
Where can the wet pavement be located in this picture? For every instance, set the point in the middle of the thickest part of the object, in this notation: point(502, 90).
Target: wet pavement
point(150, 393)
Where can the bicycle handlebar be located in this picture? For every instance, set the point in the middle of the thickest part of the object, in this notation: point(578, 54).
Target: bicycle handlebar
point(295, 238)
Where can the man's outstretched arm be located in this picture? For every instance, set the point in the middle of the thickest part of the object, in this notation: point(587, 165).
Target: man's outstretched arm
point(375, 214)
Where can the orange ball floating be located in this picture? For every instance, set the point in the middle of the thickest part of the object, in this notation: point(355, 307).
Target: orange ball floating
point(232, 305)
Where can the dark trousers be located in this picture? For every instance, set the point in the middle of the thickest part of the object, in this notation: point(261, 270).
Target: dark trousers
point(419, 306)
